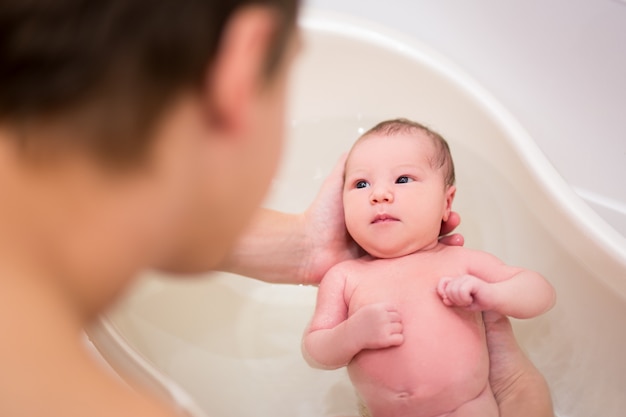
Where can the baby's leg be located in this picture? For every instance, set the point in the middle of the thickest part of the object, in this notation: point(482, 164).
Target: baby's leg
point(484, 405)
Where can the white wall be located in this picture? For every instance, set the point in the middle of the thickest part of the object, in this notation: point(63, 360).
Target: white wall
point(559, 66)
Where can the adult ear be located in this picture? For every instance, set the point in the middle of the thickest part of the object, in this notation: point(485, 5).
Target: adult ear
point(237, 74)
point(449, 198)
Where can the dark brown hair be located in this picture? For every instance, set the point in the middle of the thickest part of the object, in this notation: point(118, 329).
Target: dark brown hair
point(443, 156)
point(110, 67)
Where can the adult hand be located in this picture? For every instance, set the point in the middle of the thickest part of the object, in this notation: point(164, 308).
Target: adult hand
point(329, 241)
point(448, 238)
point(519, 388)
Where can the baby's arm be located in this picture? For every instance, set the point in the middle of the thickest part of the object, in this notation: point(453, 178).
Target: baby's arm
point(490, 285)
point(332, 338)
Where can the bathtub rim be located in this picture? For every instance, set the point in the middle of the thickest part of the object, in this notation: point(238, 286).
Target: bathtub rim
point(119, 353)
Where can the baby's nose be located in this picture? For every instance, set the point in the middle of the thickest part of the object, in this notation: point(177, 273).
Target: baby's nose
point(381, 195)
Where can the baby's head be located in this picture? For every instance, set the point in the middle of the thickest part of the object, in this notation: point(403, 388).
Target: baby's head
point(442, 157)
point(398, 188)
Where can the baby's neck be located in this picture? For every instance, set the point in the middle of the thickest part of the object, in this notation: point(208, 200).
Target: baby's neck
point(432, 247)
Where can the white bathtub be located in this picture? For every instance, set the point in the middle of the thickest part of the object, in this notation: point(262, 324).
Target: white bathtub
point(226, 345)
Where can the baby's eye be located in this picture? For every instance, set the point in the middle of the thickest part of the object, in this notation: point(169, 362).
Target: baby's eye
point(361, 184)
point(403, 179)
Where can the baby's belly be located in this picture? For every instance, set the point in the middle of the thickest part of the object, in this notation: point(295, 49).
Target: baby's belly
point(442, 361)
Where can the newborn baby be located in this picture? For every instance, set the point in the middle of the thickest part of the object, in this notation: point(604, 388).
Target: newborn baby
point(406, 317)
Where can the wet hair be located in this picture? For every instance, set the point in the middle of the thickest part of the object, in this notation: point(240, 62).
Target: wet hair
point(109, 68)
point(442, 158)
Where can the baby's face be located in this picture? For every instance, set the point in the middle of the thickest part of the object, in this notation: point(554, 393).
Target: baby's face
point(394, 200)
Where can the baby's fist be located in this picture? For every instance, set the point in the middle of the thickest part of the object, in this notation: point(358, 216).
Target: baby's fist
point(465, 291)
point(376, 326)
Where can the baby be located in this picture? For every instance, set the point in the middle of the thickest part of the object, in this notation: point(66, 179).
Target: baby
point(406, 317)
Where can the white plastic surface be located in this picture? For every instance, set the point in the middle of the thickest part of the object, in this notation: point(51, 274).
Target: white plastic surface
point(559, 66)
point(233, 344)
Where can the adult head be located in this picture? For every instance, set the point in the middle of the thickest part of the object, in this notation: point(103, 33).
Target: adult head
point(144, 132)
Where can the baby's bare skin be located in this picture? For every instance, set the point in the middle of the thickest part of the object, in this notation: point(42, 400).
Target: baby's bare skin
point(406, 318)
point(436, 338)
point(416, 356)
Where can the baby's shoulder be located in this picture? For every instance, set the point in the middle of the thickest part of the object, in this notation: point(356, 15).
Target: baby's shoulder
point(351, 267)
point(340, 269)
point(469, 255)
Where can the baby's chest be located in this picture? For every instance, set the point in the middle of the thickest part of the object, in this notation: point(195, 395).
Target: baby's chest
point(395, 284)
point(414, 295)
point(409, 286)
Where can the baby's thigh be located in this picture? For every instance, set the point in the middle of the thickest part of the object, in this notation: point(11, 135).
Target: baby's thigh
point(484, 405)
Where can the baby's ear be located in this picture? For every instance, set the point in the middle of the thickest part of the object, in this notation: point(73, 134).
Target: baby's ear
point(449, 198)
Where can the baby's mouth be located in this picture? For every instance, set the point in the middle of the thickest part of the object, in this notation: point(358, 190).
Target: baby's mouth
point(381, 218)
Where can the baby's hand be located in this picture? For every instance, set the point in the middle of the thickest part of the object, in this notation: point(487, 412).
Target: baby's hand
point(466, 291)
point(375, 326)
